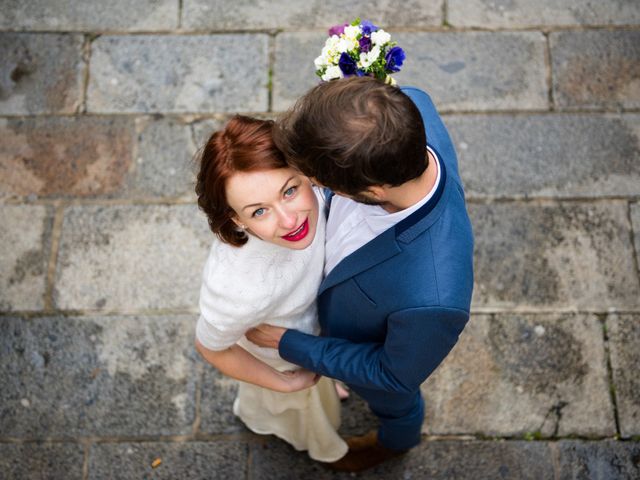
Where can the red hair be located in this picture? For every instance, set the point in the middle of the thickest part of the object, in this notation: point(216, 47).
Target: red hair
point(244, 145)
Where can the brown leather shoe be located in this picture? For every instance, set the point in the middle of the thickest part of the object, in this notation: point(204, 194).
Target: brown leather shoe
point(364, 454)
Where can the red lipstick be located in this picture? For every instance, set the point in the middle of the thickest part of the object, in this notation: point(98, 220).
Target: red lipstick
point(299, 233)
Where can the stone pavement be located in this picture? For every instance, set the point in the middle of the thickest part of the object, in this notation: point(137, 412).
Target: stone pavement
point(104, 104)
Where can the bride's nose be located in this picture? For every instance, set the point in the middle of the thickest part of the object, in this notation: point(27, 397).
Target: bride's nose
point(287, 218)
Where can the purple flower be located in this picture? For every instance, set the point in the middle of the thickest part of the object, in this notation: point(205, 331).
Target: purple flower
point(337, 29)
point(347, 64)
point(365, 44)
point(394, 59)
point(368, 27)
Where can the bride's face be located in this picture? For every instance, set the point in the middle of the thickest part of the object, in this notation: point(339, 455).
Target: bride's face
point(277, 206)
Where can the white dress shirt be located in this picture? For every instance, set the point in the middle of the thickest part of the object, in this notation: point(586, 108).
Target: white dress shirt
point(352, 224)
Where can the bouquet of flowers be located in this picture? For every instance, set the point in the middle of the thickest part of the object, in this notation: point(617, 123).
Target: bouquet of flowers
point(359, 48)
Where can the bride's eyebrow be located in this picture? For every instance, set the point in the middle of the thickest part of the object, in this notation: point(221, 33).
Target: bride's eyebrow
point(282, 189)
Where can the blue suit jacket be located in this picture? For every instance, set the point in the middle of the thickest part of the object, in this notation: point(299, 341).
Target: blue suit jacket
point(393, 309)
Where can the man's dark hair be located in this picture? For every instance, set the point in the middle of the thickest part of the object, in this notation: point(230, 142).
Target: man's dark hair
point(353, 133)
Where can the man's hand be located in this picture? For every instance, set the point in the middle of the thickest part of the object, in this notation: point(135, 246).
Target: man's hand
point(265, 335)
point(299, 380)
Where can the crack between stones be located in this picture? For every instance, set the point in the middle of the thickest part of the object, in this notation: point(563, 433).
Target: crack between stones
point(271, 49)
point(180, 9)
point(549, 70)
point(632, 238)
point(56, 233)
point(610, 382)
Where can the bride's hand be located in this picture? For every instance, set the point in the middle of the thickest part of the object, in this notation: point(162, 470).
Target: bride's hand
point(265, 335)
point(299, 379)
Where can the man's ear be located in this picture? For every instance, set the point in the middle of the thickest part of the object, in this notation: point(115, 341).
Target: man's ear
point(378, 192)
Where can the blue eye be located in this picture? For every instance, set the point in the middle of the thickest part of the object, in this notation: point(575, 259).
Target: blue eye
point(258, 213)
point(290, 191)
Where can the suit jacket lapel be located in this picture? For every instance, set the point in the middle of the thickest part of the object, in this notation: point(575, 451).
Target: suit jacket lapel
point(381, 248)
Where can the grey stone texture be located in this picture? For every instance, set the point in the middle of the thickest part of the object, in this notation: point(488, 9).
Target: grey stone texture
point(603, 460)
point(547, 155)
point(25, 242)
point(40, 73)
point(64, 156)
point(88, 376)
point(283, 14)
point(37, 461)
point(165, 163)
point(635, 221)
point(513, 375)
point(624, 345)
point(433, 460)
point(525, 13)
point(131, 257)
point(596, 69)
point(554, 255)
point(188, 73)
point(94, 15)
point(461, 71)
point(476, 70)
point(216, 403)
point(221, 460)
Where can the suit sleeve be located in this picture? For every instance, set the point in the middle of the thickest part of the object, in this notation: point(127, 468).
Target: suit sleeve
point(417, 341)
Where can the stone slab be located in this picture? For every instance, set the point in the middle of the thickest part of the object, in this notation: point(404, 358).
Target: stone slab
point(164, 165)
point(78, 156)
point(624, 343)
point(97, 376)
point(596, 69)
point(512, 375)
point(524, 13)
point(131, 257)
point(549, 254)
point(477, 70)
point(191, 460)
point(216, 403)
point(25, 242)
point(356, 418)
point(507, 156)
point(185, 73)
point(93, 15)
point(460, 460)
point(283, 14)
point(35, 461)
point(461, 71)
point(603, 460)
point(41, 73)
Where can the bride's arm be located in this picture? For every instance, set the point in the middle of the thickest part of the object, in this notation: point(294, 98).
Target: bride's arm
point(237, 363)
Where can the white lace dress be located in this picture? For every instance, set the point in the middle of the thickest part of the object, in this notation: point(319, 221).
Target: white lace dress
point(265, 283)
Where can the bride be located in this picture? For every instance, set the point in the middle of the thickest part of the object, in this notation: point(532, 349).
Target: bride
point(264, 266)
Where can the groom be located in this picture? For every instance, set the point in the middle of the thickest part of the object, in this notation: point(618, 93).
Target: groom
point(399, 246)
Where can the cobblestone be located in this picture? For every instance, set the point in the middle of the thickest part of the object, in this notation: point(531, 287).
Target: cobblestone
point(193, 460)
point(524, 13)
point(160, 73)
point(550, 255)
point(41, 73)
point(64, 156)
point(548, 155)
point(88, 376)
point(25, 241)
point(596, 69)
point(513, 375)
point(131, 257)
point(624, 338)
point(89, 15)
point(32, 461)
point(277, 14)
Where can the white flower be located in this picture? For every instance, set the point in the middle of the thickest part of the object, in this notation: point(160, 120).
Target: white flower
point(320, 62)
point(332, 72)
point(352, 31)
point(346, 44)
point(366, 59)
point(380, 37)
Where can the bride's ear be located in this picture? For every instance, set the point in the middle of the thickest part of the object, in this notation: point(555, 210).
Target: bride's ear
point(238, 223)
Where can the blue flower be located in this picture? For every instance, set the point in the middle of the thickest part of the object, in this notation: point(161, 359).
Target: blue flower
point(365, 44)
point(368, 27)
point(394, 59)
point(347, 64)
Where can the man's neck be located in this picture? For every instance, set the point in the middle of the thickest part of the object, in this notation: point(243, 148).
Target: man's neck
point(411, 192)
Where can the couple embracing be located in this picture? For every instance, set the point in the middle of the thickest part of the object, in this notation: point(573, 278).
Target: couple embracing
point(343, 251)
